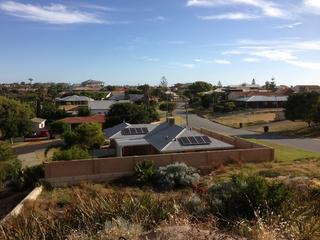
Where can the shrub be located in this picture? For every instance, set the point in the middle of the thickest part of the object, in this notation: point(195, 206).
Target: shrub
point(170, 106)
point(243, 195)
point(83, 111)
point(175, 176)
point(144, 172)
point(88, 135)
point(59, 127)
point(72, 153)
point(27, 177)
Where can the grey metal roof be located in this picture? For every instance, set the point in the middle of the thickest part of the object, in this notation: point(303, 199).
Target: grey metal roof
point(164, 137)
point(75, 98)
point(103, 104)
point(263, 99)
point(175, 145)
point(123, 96)
point(115, 132)
point(110, 132)
point(135, 97)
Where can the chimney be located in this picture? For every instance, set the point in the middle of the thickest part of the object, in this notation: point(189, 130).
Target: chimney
point(171, 120)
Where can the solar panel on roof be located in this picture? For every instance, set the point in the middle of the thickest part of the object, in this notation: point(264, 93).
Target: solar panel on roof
point(206, 139)
point(200, 140)
point(134, 131)
point(192, 140)
point(125, 131)
point(195, 140)
point(184, 141)
point(144, 130)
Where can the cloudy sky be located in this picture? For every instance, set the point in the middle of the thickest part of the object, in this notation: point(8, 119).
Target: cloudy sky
point(139, 41)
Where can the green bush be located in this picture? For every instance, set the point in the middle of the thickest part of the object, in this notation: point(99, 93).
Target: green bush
point(88, 135)
point(59, 127)
point(170, 106)
point(176, 175)
point(144, 172)
point(72, 153)
point(27, 177)
point(243, 195)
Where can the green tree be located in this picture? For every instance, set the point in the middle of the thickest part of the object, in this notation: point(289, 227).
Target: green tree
point(88, 135)
point(51, 112)
point(15, 118)
point(170, 106)
point(9, 164)
point(59, 127)
point(303, 106)
point(271, 85)
point(198, 87)
point(131, 113)
point(207, 100)
point(73, 153)
point(83, 111)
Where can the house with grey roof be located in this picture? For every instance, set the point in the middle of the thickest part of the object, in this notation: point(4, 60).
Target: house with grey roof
point(115, 96)
point(262, 101)
point(74, 100)
point(103, 106)
point(147, 139)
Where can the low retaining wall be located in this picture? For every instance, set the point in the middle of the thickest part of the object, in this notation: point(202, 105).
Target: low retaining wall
point(105, 169)
point(32, 196)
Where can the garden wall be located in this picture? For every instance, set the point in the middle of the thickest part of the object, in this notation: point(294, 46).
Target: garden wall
point(105, 169)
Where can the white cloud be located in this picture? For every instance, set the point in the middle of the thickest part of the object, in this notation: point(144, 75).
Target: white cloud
point(187, 65)
point(230, 16)
point(222, 61)
point(312, 3)
point(267, 8)
point(158, 19)
point(150, 59)
point(53, 14)
point(276, 55)
point(198, 60)
point(251, 60)
point(287, 51)
point(305, 64)
point(290, 26)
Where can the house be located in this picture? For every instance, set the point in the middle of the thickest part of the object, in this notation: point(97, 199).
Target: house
point(306, 88)
point(244, 87)
point(238, 95)
point(121, 96)
point(103, 106)
point(147, 139)
point(38, 124)
point(74, 100)
point(262, 101)
point(75, 121)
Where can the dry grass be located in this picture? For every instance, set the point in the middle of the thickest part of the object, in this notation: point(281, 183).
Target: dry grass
point(247, 119)
point(297, 128)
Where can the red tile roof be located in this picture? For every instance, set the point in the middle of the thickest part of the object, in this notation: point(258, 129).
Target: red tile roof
point(99, 118)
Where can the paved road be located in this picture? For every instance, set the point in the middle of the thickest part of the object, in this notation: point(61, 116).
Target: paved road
point(34, 147)
point(309, 144)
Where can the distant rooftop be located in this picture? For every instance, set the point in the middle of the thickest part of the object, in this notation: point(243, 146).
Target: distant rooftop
point(264, 99)
point(75, 98)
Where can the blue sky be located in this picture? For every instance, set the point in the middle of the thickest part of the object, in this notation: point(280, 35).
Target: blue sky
point(139, 41)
